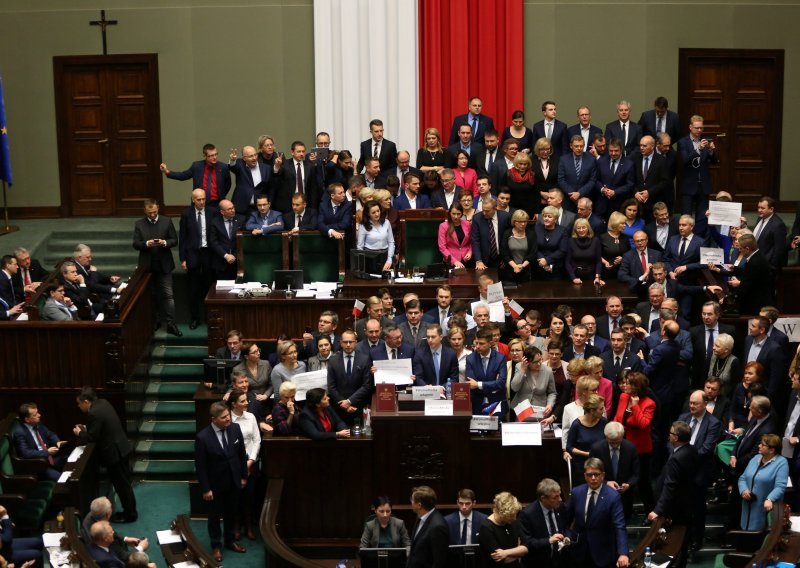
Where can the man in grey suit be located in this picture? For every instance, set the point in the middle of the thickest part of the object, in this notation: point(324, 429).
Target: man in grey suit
point(154, 236)
point(58, 307)
point(624, 129)
point(414, 328)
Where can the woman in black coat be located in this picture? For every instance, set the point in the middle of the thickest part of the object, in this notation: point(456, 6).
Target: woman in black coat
point(318, 421)
point(518, 249)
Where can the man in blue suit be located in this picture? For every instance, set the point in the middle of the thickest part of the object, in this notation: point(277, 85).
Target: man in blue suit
point(102, 536)
point(487, 228)
point(372, 339)
point(410, 197)
point(615, 180)
point(33, 440)
point(486, 372)
point(650, 177)
point(478, 123)
point(763, 349)
point(207, 174)
point(697, 156)
point(467, 143)
point(349, 379)
point(8, 268)
point(434, 363)
point(634, 269)
point(222, 465)
point(770, 233)
point(585, 129)
point(264, 221)
point(660, 119)
point(577, 174)
point(552, 129)
point(623, 129)
point(465, 524)
point(335, 217)
point(252, 179)
point(222, 240)
point(377, 147)
point(544, 525)
point(595, 514)
point(682, 255)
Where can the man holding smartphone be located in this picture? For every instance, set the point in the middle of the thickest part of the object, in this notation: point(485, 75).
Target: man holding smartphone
point(697, 153)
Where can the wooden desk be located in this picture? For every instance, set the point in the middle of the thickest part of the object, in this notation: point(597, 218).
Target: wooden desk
point(190, 549)
point(82, 486)
point(72, 526)
point(669, 543)
point(203, 399)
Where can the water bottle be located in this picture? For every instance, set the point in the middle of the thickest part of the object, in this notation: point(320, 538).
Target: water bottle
point(402, 268)
point(648, 558)
point(448, 389)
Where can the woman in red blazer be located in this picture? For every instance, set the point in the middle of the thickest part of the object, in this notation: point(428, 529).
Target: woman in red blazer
point(466, 177)
point(635, 411)
point(455, 242)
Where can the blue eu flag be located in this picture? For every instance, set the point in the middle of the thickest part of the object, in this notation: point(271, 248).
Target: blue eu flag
point(5, 157)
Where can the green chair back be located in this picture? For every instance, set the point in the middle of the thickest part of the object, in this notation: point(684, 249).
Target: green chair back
point(261, 256)
point(420, 242)
point(317, 255)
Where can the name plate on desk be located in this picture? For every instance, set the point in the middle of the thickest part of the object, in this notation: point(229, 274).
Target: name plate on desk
point(431, 392)
point(522, 434)
point(438, 407)
point(461, 397)
point(385, 398)
point(484, 423)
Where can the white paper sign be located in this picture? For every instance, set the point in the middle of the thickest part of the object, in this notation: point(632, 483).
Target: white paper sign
point(438, 408)
point(789, 326)
point(307, 381)
point(52, 539)
point(522, 434)
point(76, 454)
point(168, 537)
point(494, 293)
point(394, 371)
point(724, 213)
point(479, 422)
point(64, 476)
point(712, 254)
point(430, 392)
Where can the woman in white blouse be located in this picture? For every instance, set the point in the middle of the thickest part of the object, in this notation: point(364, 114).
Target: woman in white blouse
point(252, 444)
point(375, 232)
point(455, 336)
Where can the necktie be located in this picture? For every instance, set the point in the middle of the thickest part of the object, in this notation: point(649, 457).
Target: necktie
point(613, 167)
point(474, 125)
point(683, 247)
point(710, 346)
point(485, 364)
point(616, 365)
point(491, 161)
point(660, 125)
point(436, 365)
point(375, 151)
point(414, 334)
point(614, 323)
point(492, 241)
point(759, 226)
point(549, 130)
point(42, 445)
point(349, 370)
point(615, 463)
point(200, 225)
point(442, 317)
point(644, 264)
point(464, 531)
point(26, 277)
point(209, 173)
point(299, 220)
point(335, 207)
point(299, 178)
point(590, 505)
point(624, 134)
point(224, 440)
point(553, 528)
point(394, 353)
point(577, 168)
point(645, 166)
point(693, 425)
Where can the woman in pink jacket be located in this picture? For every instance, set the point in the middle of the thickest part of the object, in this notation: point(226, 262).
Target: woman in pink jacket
point(455, 243)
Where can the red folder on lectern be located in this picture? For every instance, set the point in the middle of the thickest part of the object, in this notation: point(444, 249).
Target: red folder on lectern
point(385, 398)
point(461, 398)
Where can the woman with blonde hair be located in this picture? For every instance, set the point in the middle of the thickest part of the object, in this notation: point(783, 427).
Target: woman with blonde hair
point(584, 254)
point(585, 431)
point(614, 244)
point(520, 182)
point(518, 249)
point(545, 169)
point(499, 536)
point(288, 367)
point(432, 156)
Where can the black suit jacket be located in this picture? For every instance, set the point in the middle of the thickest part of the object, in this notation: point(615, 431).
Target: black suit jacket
point(536, 535)
point(588, 351)
point(429, 545)
point(38, 274)
point(285, 186)
point(155, 259)
point(628, 469)
point(747, 446)
point(757, 288)
point(614, 130)
point(189, 235)
point(773, 358)
point(705, 442)
point(558, 138)
point(103, 427)
point(699, 346)
point(497, 173)
point(219, 241)
point(7, 292)
point(246, 190)
point(652, 232)
point(649, 121)
point(484, 123)
point(772, 242)
point(387, 156)
point(677, 484)
point(630, 361)
point(655, 182)
point(307, 223)
point(358, 387)
point(218, 469)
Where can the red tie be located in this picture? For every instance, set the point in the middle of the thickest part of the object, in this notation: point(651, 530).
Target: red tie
point(644, 263)
point(27, 276)
point(41, 443)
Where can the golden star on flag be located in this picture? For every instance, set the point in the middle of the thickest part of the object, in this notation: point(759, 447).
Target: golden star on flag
point(3, 130)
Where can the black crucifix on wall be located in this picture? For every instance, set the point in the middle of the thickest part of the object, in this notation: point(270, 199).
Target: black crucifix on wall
point(103, 23)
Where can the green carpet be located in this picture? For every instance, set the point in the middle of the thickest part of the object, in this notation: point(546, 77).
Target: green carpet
point(169, 448)
point(169, 408)
point(172, 389)
point(177, 371)
point(175, 428)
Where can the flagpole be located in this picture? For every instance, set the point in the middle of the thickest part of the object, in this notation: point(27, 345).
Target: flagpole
point(7, 228)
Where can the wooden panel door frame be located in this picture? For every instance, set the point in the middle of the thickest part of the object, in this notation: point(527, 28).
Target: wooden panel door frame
point(60, 66)
point(685, 58)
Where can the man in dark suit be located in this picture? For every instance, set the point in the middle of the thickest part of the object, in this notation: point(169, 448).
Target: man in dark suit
point(335, 217)
point(760, 348)
point(349, 379)
point(615, 180)
point(410, 197)
point(623, 129)
point(660, 119)
point(29, 275)
point(252, 179)
point(377, 147)
point(434, 363)
point(659, 366)
point(772, 314)
point(101, 286)
point(665, 150)
point(194, 252)
point(76, 290)
point(302, 217)
point(577, 174)
point(597, 520)
point(207, 174)
point(487, 228)
point(705, 432)
point(661, 228)
point(9, 269)
point(222, 468)
point(488, 160)
point(233, 347)
point(634, 269)
point(761, 422)
point(609, 321)
point(552, 129)
point(372, 337)
point(103, 427)
point(287, 183)
point(430, 536)
point(393, 346)
point(584, 211)
point(265, 220)
point(154, 236)
point(770, 233)
point(584, 128)
point(486, 372)
point(717, 404)
point(414, 328)
point(579, 347)
point(543, 524)
point(621, 463)
point(697, 155)
point(100, 547)
point(403, 167)
point(326, 326)
point(478, 123)
point(618, 358)
point(447, 195)
point(464, 525)
point(682, 255)
point(467, 143)
point(650, 179)
point(33, 440)
point(754, 281)
point(703, 337)
point(222, 240)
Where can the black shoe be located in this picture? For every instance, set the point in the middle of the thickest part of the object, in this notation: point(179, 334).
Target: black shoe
point(124, 517)
point(173, 329)
point(194, 324)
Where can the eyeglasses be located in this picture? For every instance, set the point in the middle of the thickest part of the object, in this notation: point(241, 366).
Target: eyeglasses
point(592, 474)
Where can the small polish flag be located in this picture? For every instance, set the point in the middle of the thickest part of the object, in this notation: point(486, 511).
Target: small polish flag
point(516, 309)
point(493, 408)
point(358, 307)
point(523, 410)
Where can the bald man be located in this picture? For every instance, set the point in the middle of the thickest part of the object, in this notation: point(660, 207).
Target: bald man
point(252, 179)
point(222, 240)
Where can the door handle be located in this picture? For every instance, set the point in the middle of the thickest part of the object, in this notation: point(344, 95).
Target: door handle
point(103, 141)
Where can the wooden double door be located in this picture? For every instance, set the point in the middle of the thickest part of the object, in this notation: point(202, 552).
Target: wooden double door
point(109, 133)
point(739, 93)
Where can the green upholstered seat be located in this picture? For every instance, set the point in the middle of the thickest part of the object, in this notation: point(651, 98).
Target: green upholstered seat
point(261, 256)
